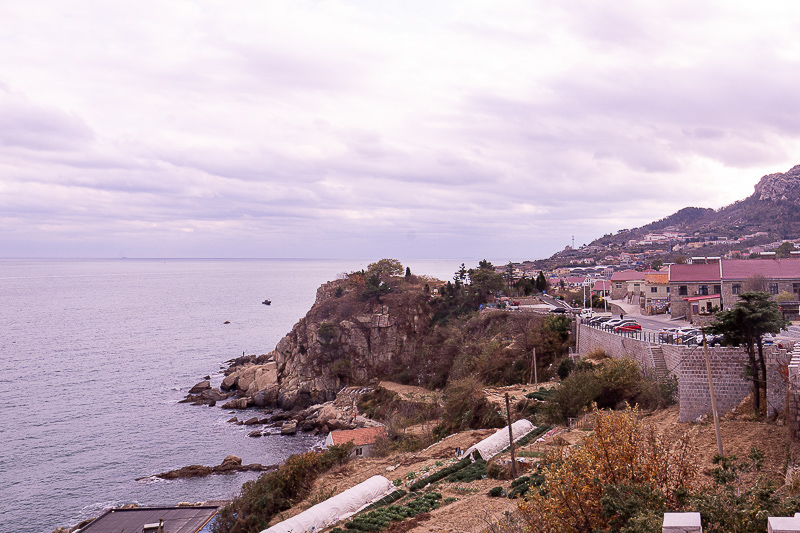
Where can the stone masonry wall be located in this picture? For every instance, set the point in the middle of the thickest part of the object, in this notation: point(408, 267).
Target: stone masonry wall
point(614, 345)
point(688, 364)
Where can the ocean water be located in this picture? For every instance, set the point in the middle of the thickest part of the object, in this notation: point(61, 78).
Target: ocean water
point(97, 353)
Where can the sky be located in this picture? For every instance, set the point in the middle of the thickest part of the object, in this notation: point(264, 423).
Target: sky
point(367, 129)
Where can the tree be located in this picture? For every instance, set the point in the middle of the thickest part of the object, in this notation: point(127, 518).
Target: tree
point(485, 265)
point(509, 275)
point(745, 325)
point(656, 264)
point(622, 454)
point(486, 281)
point(460, 277)
point(408, 273)
point(784, 250)
point(541, 282)
point(756, 283)
point(385, 268)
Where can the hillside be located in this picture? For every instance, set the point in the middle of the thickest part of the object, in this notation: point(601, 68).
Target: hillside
point(771, 213)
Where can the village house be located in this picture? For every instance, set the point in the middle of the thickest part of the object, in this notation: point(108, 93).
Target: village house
point(656, 293)
point(779, 276)
point(695, 288)
point(363, 439)
point(619, 282)
point(601, 288)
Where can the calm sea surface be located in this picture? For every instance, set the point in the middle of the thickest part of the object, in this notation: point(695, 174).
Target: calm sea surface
point(97, 353)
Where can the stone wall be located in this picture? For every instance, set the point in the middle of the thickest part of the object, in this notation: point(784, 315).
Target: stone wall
point(688, 364)
point(616, 346)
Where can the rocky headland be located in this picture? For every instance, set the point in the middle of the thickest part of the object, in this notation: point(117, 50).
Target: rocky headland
point(346, 342)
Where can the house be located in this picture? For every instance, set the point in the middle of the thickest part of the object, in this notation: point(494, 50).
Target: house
point(601, 288)
point(363, 439)
point(188, 519)
point(655, 298)
point(619, 282)
point(690, 280)
point(775, 275)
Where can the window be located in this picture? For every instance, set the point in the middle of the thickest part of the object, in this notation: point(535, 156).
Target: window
point(359, 451)
point(653, 289)
point(717, 289)
point(683, 290)
point(703, 290)
point(618, 285)
point(796, 288)
point(667, 290)
point(736, 288)
point(773, 288)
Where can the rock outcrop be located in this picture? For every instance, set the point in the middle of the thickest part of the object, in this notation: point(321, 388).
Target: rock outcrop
point(343, 339)
point(780, 187)
point(229, 465)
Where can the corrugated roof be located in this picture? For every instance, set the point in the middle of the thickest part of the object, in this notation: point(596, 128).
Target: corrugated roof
point(769, 268)
point(359, 437)
point(695, 272)
point(176, 519)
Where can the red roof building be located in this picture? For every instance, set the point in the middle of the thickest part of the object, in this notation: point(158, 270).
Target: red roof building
point(363, 438)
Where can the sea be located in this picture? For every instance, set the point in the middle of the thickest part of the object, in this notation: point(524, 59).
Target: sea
point(96, 355)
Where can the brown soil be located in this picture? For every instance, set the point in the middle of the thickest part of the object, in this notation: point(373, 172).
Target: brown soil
point(475, 511)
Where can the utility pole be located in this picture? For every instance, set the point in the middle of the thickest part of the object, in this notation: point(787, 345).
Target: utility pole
point(511, 439)
point(711, 390)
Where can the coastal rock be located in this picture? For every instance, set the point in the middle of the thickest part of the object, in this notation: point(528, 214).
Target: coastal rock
point(255, 434)
point(289, 428)
point(230, 464)
point(251, 421)
point(187, 471)
point(239, 403)
point(229, 382)
point(200, 387)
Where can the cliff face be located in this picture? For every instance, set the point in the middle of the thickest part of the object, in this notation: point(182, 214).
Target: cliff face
point(780, 187)
point(343, 340)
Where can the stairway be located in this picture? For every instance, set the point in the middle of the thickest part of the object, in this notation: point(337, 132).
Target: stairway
point(659, 362)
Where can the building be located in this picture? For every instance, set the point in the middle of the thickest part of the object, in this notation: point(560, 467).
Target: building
point(655, 299)
point(363, 439)
point(619, 283)
point(691, 280)
point(601, 288)
point(189, 519)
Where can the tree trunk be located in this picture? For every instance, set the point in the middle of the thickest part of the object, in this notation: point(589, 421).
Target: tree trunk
point(754, 371)
point(763, 366)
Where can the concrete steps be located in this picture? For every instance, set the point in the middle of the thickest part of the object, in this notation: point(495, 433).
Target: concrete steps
point(659, 362)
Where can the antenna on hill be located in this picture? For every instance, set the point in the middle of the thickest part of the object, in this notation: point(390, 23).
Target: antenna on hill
point(573, 242)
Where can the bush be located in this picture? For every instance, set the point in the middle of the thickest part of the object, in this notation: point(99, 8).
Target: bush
point(576, 392)
point(495, 492)
point(619, 381)
point(467, 408)
point(277, 491)
point(566, 366)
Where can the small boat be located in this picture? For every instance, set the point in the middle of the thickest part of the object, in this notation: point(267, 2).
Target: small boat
point(267, 302)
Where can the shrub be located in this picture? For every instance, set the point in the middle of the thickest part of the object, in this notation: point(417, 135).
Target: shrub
point(467, 408)
point(566, 366)
point(576, 392)
point(277, 491)
point(620, 451)
point(495, 492)
point(619, 381)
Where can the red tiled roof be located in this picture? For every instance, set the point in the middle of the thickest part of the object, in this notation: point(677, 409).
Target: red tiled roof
point(657, 277)
point(358, 437)
point(694, 272)
point(601, 285)
point(576, 279)
point(627, 275)
point(769, 268)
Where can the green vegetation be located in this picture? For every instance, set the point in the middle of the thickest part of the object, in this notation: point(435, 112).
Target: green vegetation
point(441, 474)
point(466, 408)
point(379, 519)
point(472, 472)
point(277, 491)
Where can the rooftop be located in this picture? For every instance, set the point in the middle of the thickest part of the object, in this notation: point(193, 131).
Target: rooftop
point(358, 437)
point(694, 272)
point(176, 519)
point(769, 268)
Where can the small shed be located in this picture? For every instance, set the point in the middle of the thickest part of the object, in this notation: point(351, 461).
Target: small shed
point(363, 439)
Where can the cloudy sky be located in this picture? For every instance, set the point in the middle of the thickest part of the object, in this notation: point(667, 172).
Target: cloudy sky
point(366, 129)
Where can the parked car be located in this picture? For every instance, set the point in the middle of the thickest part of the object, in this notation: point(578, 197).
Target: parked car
point(611, 324)
point(559, 310)
point(634, 326)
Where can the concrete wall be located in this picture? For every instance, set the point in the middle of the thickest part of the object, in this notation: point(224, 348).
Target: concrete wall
point(688, 364)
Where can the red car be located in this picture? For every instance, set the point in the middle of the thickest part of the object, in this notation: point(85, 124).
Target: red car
point(627, 327)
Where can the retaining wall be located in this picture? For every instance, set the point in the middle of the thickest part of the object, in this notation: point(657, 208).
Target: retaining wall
point(688, 364)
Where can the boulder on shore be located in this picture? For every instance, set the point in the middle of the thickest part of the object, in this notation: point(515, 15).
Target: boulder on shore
point(289, 428)
point(200, 387)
